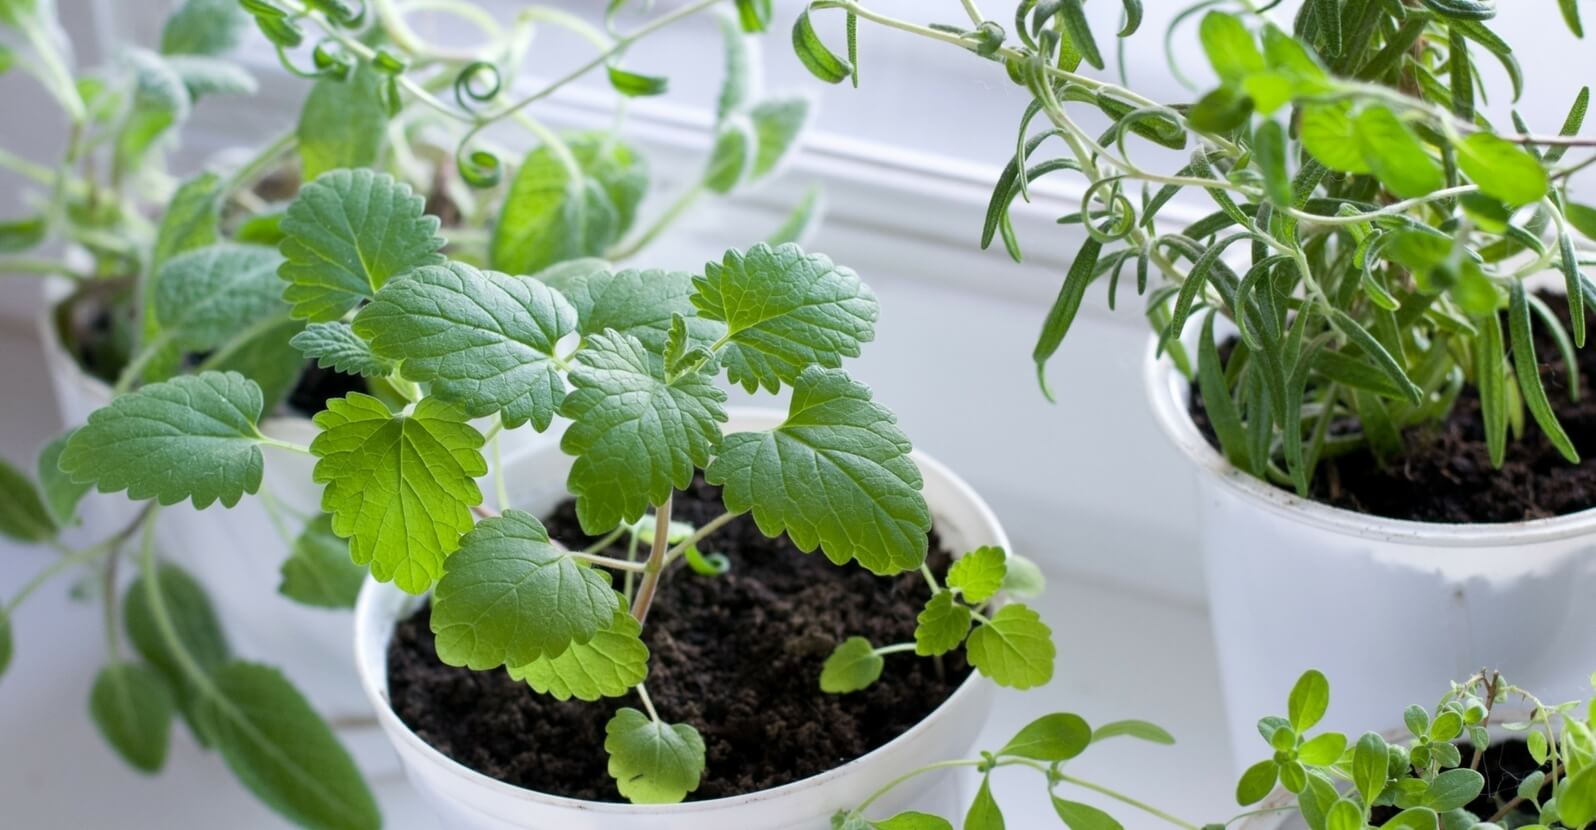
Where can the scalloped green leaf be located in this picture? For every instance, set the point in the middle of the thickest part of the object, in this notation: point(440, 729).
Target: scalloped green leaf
point(941, 626)
point(653, 762)
point(318, 571)
point(836, 474)
point(336, 346)
point(635, 435)
point(785, 310)
point(485, 341)
point(1015, 648)
point(853, 665)
point(191, 437)
point(206, 296)
point(399, 487)
point(133, 708)
point(510, 596)
point(560, 208)
point(609, 665)
point(346, 235)
point(979, 574)
point(632, 302)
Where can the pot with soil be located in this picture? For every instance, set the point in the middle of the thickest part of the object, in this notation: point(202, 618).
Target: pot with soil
point(1458, 565)
point(735, 655)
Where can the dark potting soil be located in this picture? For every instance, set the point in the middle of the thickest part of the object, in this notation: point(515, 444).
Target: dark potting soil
point(97, 326)
point(738, 656)
point(1504, 764)
point(317, 386)
point(1445, 474)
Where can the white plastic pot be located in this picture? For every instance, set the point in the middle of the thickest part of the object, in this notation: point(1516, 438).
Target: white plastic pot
point(469, 800)
point(1391, 611)
point(237, 553)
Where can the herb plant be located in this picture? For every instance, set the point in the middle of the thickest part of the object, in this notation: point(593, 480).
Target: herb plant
point(1385, 225)
point(1426, 779)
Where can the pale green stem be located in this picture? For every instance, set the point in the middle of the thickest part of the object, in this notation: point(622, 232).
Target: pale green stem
point(655, 566)
point(648, 702)
point(33, 267)
point(163, 620)
point(233, 346)
point(975, 14)
point(1125, 799)
point(251, 170)
point(700, 534)
point(282, 445)
point(893, 784)
point(609, 539)
point(895, 648)
point(501, 490)
point(608, 562)
point(135, 368)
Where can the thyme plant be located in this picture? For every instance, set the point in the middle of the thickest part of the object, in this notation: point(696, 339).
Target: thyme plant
point(1372, 230)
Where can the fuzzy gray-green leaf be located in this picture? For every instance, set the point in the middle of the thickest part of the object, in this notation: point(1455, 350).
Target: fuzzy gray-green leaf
point(336, 346)
point(23, 513)
point(133, 708)
point(632, 302)
point(318, 571)
point(206, 296)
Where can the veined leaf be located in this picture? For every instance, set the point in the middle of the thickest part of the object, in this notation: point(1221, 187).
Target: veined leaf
point(636, 435)
point(318, 571)
point(836, 474)
point(509, 596)
point(203, 27)
point(191, 437)
point(336, 346)
point(564, 205)
point(1527, 368)
point(1327, 132)
point(1231, 49)
point(813, 54)
point(1015, 648)
point(984, 813)
point(283, 751)
point(343, 125)
point(1392, 152)
point(398, 487)
point(1309, 699)
point(485, 341)
point(608, 665)
point(190, 221)
point(910, 820)
point(732, 158)
point(1056, 737)
point(635, 303)
point(264, 354)
point(784, 310)
point(853, 665)
point(941, 626)
point(1140, 729)
point(133, 708)
point(778, 123)
point(23, 514)
point(61, 493)
point(1078, 816)
point(979, 574)
point(197, 629)
point(346, 235)
point(1502, 169)
point(653, 762)
point(205, 297)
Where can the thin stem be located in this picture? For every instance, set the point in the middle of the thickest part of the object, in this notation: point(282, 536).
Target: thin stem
point(269, 502)
point(606, 541)
point(1388, 210)
point(975, 14)
point(656, 561)
point(700, 534)
point(108, 602)
point(163, 619)
point(252, 170)
point(38, 267)
point(895, 648)
point(1125, 799)
point(239, 342)
point(676, 211)
point(283, 445)
point(78, 557)
point(135, 367)
point(501, 490)
point(629, 585)
point(930, 578)
point(648, 702)
point(609, 562)
point(891, 785)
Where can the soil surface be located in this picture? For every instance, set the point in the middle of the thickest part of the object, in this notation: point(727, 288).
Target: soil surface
point(738, 656)
point(1504, 764)
point(1446, 473)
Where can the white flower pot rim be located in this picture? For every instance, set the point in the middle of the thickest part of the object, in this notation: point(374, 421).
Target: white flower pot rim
point(364, 619)
point(1165, 393)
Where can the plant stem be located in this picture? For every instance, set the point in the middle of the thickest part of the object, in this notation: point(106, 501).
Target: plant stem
point(648, 702)
point(1125, 799)
point(677, 210)
point(631, 556)
point(282, 445)
point(34, 266)
point(251, 170)
point(656, 561)
point(895, 648)
point(77, 557)
point(163, 619)
point(609, 562)
point(135, 367)
point(700, 534)
point(890, 785)
point(607, 540)
point(501, 490)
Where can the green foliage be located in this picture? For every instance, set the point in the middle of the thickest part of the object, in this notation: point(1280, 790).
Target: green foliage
point(205, 296)
point(197, 633)
point(346, 235)
point(61, 493)
point(399, 487)
point(203, 27)
point(984, 813)
point(318, 571)
point(653, 762)
point(609, 665)
point(853, 665)
point(568, 201)
point(336, 346)
point(133, 708)
point(941, 627)
point(637, 303)
point(343, 125)
point(978, 575)
point(6, 644)
point(192, 437)
point(1056, 737)
point(485, 341)
point(23, 514)
point(1014, 648)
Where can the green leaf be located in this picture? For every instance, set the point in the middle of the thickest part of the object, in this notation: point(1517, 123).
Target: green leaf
point(1269, 153)
point(23, 514)
point(608, 665)
point(1310, 697)
point(205, 297)
point(1502, 169)
point(1328, 133)
point(912, 820)
point(778, 122)
point(509, 596)
point(192, 437)
point(197, 628)
point(283, 752)
point(346, 234)
point(636, 85)
point(336, 346)
point(1323, 750)
point(1370, 762)
point(853, 665)
point(636, 303)
point(1394, 155)
point(1527, 368)
point(203, 27)
point(785, 311)
point(636, 435)
point(343, 124)
point(1015, 648)
point(653, 762)
point(61, 493)
point(1221, 110)
point(1056, 737)
point(737, 84)
point(836, 474)
point(6, 645)
point(133, 708)
point(567, 205)
point(1078, 816)
point(158, 95)
point(1257, 782)
point(190, 221)
point(211, 76)
point(1417, 720)
point(978, 574)
point(941, 626)
point(265, 354)
point(399, 487)
point(1344, 814)
point(318, 570)
point(1582, 217)
point(1416, 818)
point(813, 54)
point(1140, 729)
point(1229, 46)
point(618, 179)
point(1576, 801)
point(483, 340)
point(1024, 579)
point(984, 813)
point(1454, 789)
point(732, 158)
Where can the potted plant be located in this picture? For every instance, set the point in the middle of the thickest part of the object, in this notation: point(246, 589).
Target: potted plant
point(1465, 763)
point(145, 261)
point(1346, 348)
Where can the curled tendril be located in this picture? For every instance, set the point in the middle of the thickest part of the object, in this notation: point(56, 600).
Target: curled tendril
point(342, 12)
point(479, 168)
point(1120, 210)
point(288, 64)
point(283, 32)
point(713, 564)
point(388, 63)
point(470, 92)
point(331, 60)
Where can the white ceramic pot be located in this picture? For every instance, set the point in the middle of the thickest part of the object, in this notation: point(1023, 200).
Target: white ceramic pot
point(1390, 611)
point(465, 798)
